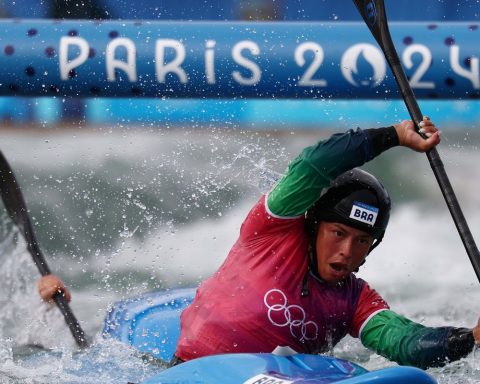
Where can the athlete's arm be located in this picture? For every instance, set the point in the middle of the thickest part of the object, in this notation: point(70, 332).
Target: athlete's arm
point(317, 165)
point(408, 343)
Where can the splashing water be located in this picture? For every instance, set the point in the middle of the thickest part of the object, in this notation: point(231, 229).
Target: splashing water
point(120, 213)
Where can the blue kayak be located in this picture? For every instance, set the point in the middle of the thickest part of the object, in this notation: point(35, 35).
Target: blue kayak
point(151, 324)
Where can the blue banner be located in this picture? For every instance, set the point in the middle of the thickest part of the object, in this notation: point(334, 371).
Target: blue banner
point(233, 60)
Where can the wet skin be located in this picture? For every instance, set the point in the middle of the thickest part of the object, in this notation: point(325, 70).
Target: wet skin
point(340, 250)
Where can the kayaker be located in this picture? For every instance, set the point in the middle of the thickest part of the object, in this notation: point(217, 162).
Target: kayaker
point(289, 280)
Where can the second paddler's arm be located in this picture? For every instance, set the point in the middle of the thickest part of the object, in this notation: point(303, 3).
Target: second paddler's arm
point(317, 165)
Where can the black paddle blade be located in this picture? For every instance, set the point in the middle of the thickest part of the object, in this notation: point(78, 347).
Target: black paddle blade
point(15, 205)
point(9, 193)
point(374, 15)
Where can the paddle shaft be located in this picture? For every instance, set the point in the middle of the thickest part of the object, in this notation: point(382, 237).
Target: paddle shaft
point(15, 205)
point(373, 12)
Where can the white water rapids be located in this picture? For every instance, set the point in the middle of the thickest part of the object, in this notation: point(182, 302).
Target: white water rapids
point(119, 212)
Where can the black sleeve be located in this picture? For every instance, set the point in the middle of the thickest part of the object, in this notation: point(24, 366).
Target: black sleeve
point(460, 343)
point(382, 139)
point(439, 346)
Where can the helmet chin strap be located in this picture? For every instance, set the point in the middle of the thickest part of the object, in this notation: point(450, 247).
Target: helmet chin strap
point(312, 267)
point(312, 254)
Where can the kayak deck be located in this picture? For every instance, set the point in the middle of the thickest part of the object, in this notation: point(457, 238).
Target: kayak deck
point(268, 368)
point(149, 322)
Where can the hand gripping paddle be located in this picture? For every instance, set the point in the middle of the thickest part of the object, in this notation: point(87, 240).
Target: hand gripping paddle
point(373, 12)
point(17, 209)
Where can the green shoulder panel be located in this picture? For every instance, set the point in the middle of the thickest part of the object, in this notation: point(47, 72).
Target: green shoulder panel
point(313, 170)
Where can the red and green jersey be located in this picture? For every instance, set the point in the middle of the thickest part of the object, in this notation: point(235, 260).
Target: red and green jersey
point(254, 302)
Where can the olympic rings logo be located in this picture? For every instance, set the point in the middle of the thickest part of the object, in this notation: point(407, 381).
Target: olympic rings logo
point(293, 316)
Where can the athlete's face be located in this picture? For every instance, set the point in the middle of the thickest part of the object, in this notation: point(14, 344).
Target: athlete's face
point(340, 250)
